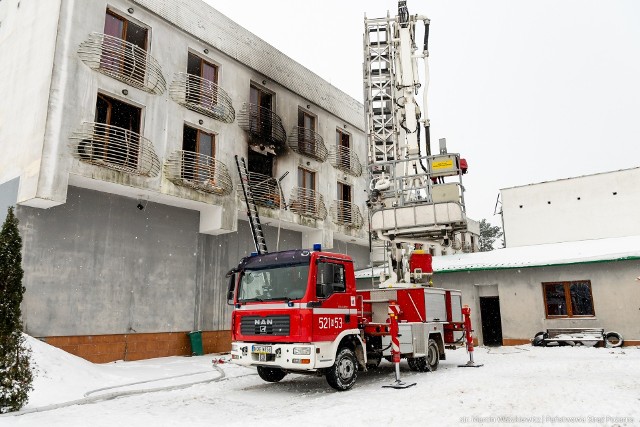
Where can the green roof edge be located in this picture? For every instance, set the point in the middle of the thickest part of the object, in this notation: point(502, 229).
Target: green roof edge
point(629, 258)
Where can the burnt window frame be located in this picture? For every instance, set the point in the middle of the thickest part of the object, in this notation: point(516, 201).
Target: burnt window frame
point(343, 157)
point(567, 299)
point(306, 135)
point(344, 212)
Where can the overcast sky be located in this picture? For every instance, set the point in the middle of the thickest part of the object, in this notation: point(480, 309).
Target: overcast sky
point(527, 91)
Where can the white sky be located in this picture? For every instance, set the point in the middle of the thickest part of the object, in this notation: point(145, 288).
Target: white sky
point(526, 91)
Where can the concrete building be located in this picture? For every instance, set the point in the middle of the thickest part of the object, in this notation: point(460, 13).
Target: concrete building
point(516, 292)
point(119, 123)
point(587, 207)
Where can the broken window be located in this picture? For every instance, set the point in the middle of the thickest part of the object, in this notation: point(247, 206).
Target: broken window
point(199, 149)
point(306, 132)
point(261, 121)
point(116, 136)
point(126, 56)
point(202, 82)
point(568, 299)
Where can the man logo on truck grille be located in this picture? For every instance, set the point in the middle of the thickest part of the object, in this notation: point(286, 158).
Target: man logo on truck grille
point(263, 329)
point(263, 322)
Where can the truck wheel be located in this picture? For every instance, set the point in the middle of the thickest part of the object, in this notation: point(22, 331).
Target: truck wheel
point(433, 355)
point(342, 375)
point(272, 375)
point(418, 364)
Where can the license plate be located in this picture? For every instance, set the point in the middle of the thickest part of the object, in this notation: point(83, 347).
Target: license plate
point(261, 349)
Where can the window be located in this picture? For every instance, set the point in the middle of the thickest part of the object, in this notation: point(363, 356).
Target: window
point(568, 299)
point(306, 130)
point(121, 57)
point(344, 204)
point(343, 145)
point(116, 132)
point(199, 149)
point(201, 85)
point(262, 105)
point(306, 191)
point(330, 279)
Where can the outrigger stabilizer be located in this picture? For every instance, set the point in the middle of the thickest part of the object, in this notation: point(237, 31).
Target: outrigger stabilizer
point(466, 312)
point(394, 311)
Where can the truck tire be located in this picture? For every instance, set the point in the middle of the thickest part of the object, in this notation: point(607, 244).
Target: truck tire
point(272, 375)
point(433, 355)
point(342, 375)
point(426, 363)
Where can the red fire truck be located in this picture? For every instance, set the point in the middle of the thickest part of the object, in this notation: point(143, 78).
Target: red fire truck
point(299, 311)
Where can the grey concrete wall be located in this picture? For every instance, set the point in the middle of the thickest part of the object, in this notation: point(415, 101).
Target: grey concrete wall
point(219, 254)
point(616, 297)
point(98, 265)
point(8, 196)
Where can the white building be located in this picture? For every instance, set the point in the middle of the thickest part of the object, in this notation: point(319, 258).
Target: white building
point(587, 207)
point(119, 124)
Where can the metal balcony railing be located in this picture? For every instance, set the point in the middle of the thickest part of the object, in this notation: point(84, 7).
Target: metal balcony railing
point(123, 61)
point(265, 189)
point(264, 127)
point(346, 213)
point(344, 159)
point(307, 202)
point(202, 96)
point(198, 171)
point(308, 143)
point(115, 148)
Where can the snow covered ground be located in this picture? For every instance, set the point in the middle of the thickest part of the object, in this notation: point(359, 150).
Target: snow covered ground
point(521, 385)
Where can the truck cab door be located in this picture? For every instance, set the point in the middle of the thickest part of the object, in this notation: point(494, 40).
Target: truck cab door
point(334, 313)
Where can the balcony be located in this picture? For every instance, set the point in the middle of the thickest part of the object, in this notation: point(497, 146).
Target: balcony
point(264, 128)
point(344, 159)
point(265, 190)
point(347, 214)
point(308, 143)
point(123, 61)
point(202, 96)
point(115, 148)
point(198, 171)
point(307, 202)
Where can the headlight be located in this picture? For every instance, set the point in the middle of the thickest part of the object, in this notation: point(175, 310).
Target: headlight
point(302, 350)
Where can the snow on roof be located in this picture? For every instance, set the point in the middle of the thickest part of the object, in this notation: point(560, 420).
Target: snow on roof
point(584, 251)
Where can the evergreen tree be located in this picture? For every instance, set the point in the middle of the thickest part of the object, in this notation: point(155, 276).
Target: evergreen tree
point(488, 235)
point(15, 371)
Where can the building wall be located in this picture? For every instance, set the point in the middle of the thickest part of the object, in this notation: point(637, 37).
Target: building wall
point(27, 45)
point(588, 207)
point(616, 298)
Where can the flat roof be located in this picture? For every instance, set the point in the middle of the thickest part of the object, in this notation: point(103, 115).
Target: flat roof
point(569, 178)
point(553, 254)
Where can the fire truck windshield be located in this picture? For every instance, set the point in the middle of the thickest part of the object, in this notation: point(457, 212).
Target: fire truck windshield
point(286, 282)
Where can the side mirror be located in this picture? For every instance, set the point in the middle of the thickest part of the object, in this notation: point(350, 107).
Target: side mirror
point(231, 288)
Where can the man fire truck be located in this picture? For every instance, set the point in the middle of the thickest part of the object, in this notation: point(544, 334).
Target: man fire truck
point(299, 310)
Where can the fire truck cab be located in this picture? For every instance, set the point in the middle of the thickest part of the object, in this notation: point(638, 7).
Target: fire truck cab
point(299, 311)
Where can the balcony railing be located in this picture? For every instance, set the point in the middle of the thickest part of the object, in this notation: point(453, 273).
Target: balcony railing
point(202, 96)
point(198, 171)
point(346, 213)
point(344, 159)
point(266, 191)
point(308, 143)
point(115, 148)
point(123, 61)
point(307, 202)
point(264, 127)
